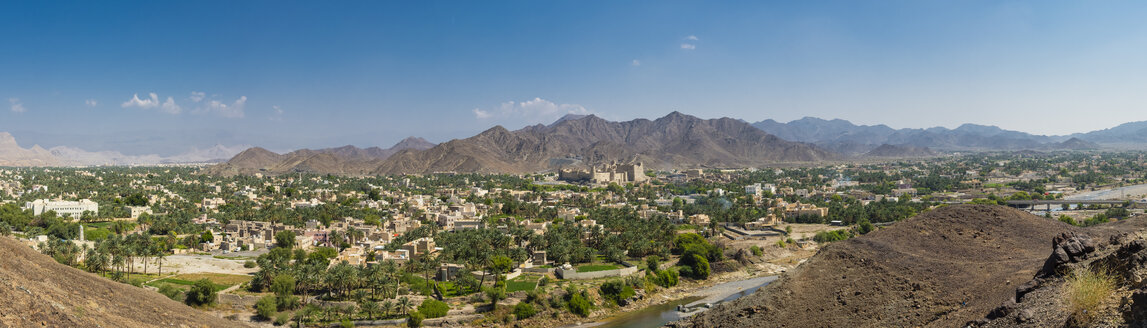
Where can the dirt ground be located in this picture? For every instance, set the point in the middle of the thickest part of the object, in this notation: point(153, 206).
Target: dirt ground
point(35, 291)
point(942, 268)
point(196, 264)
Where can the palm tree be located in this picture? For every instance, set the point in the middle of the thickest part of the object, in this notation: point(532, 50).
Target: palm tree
point(370, 307)
point(160, 254)
point(387, 306)
point(390, 269)
point(404, 304)
point(429, 265)
point(374, 278)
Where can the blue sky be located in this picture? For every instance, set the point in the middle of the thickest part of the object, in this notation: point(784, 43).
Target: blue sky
point(287, 75)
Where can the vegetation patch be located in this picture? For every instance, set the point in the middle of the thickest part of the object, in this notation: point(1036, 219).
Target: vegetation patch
point(525, 282)
point(597, 267)
point(1085, 291)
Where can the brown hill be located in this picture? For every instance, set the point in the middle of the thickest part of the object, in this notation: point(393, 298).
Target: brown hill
point(943, 268)
point(11, 154)
point(352, 152)
point(674, 141)
point(348, 160)
point(37, 291)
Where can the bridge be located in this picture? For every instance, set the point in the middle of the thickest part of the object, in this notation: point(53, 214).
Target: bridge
point(1048, 203)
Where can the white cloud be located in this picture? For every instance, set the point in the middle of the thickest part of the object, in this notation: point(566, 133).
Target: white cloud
point(278, 115)
point(232, 110)
point(536, 110)
point(636, 62)
point(91, 102)
point(171, 107)
point(688, 46)
point(197, 96)
point(481, 113)
point(17, 106)
point(152, 101)
point(692, 38)
point(148, 103)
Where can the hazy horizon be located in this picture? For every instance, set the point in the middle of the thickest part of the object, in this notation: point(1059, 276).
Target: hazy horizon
point(163, 77)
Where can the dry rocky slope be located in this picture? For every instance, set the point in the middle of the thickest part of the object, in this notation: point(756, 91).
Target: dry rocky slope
point(1119, 249)
point(346, 160)
point(35, 291)
point(947, 267)
point(674, 141)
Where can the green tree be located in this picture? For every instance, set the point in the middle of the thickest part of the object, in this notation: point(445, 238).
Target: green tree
point(202, 293)
point(698, 266)
point(285, 239)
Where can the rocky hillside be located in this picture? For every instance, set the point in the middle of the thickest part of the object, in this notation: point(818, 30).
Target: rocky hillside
point(1118, 250)
point(35, 291)
point(850, 139)
point(674, 141)
point(347, 160)
point(942, 268)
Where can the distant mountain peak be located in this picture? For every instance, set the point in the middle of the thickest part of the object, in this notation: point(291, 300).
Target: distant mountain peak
point(570, 117)
point(412, 142)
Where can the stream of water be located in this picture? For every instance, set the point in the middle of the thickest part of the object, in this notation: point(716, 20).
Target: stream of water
point(659, 315)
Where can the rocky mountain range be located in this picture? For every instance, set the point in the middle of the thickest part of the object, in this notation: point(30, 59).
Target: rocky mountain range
point(850, 139)
point(674, 141)
point(349, 160)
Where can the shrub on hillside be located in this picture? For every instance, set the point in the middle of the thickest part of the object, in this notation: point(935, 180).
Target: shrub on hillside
point(414, 320)
point(831, 236)
point(1085, 292)
point(266, 307)
point(579, 305)
point(615, 291)
point(171, 292)
point(524, 310)
point(432, 308)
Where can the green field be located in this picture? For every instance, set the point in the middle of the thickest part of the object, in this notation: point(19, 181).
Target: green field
point(596, 267)
point(524, 282)
point(185, 281)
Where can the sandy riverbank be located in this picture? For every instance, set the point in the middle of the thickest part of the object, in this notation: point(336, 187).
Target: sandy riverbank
point(717, 293)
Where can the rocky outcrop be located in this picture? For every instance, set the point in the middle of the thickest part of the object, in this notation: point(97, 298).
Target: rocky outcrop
point(1120, 253)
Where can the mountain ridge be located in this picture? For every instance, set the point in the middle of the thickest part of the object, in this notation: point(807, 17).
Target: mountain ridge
point(851, 139)
point(676, 140)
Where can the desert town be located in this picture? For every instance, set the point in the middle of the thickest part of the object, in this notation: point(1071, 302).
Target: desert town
point(481, 244)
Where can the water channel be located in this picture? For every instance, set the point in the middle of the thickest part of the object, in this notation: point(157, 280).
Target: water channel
point(659, 315)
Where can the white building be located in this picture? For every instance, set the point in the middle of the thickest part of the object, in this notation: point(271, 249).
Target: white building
point(758, 189)
point(75, 209)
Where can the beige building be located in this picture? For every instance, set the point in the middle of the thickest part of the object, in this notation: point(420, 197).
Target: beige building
point(605, 174)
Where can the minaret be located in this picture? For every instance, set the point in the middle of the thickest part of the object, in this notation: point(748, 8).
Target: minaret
point(81, 232)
